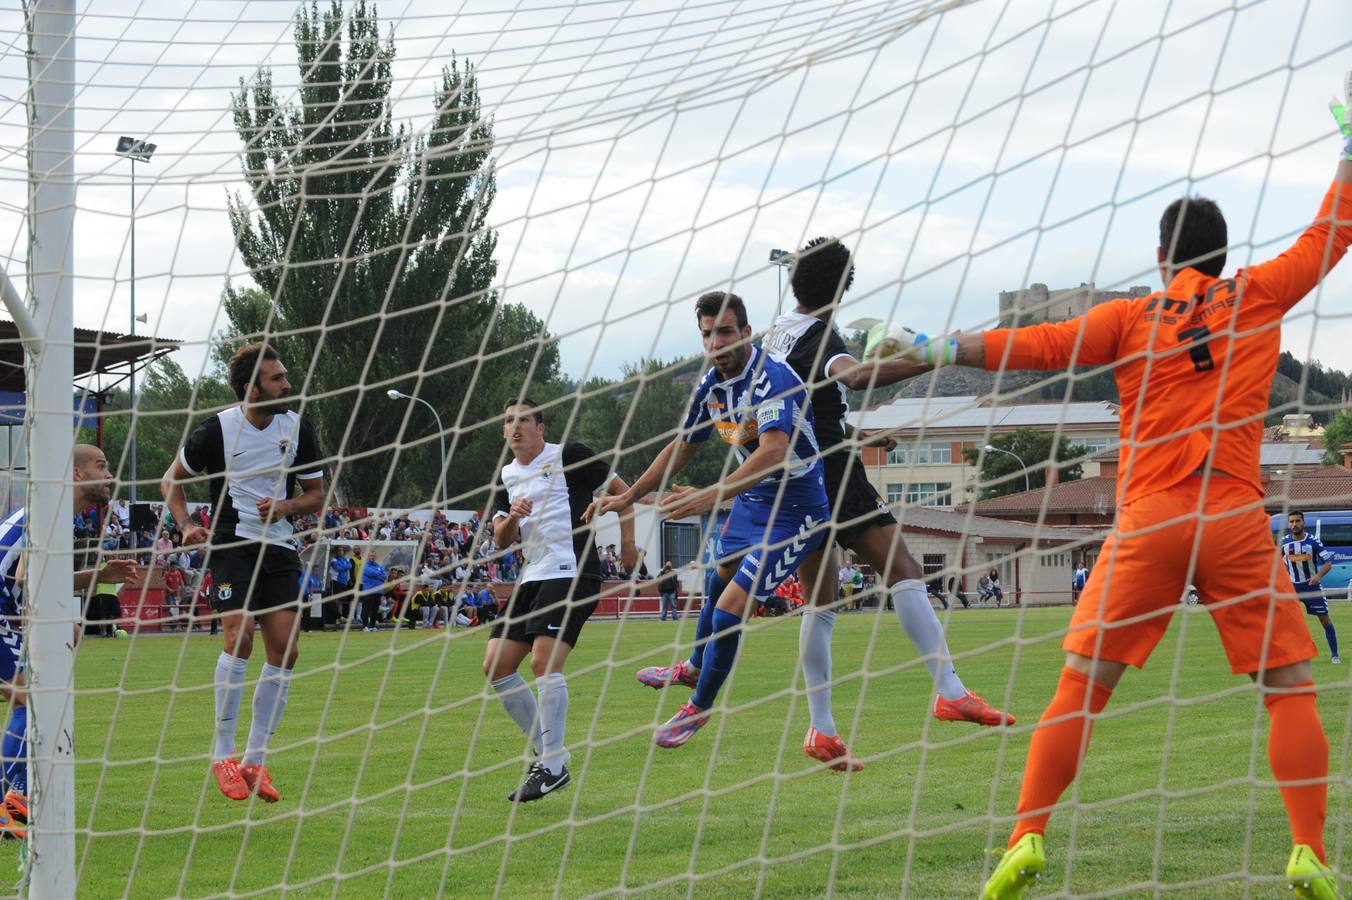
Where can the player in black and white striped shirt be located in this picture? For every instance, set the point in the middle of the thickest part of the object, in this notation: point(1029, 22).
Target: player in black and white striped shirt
point(540, 505)
point(257, 454)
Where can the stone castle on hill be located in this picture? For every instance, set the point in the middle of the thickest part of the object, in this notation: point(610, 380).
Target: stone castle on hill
point(1037, 303)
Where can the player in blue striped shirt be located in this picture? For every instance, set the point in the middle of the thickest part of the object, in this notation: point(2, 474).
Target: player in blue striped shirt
point(1307, 562)
point(759, 407)
point(92, 485)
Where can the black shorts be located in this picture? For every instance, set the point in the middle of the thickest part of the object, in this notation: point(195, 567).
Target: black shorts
point(240, 580)
point(855, 503)
point(556, 607)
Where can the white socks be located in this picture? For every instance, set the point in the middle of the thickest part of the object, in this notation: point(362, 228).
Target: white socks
point(553, 690)
point(269, 702)
point(229, 690)
point(921, 625)
point(814, 646)
point(519, 702)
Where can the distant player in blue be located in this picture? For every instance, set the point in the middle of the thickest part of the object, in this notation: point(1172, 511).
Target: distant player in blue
point(759, 407)
point(1307, 562)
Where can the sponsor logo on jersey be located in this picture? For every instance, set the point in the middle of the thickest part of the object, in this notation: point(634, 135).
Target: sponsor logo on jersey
point(738, 434)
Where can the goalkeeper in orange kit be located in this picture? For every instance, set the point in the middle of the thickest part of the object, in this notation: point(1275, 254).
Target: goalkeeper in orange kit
point(1193, 364)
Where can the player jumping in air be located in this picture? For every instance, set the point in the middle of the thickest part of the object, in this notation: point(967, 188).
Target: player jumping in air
point(759, 406)
point(1307, 562)
point(93, 486)
point(1193, 365)
point(256, 454)
point(807, 341)
point(539, 503)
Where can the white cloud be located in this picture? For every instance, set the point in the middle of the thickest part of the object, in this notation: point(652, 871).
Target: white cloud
point(648, 157)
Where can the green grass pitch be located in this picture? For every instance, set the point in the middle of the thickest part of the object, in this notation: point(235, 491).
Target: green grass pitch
point(403, 793)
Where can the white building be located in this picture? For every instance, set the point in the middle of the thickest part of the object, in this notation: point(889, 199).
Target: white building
point(928, 467)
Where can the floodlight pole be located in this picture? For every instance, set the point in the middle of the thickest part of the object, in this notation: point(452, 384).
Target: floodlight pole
point(131, 382)
point(51, 611)
point(781, 260)
point(134, 151)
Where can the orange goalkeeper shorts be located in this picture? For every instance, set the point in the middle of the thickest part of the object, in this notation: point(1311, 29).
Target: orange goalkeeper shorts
point(1220, 543)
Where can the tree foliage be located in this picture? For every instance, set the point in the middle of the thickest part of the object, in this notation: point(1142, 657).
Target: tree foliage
point(376, 264)
point(169, 405)
point(1337, 433)
point(1002, 474)
point(633, 418)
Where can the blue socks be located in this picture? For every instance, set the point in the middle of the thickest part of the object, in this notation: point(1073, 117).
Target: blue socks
point(727, 630)
point(14, 751)
point(713, 589)
point(1332, 637)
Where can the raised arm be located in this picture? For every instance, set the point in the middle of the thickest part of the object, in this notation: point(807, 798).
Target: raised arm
point(672, 459)
point(860, 376)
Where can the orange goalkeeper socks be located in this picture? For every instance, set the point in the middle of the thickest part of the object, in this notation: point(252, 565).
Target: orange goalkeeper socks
point(1059, 743)
point(1299, 751)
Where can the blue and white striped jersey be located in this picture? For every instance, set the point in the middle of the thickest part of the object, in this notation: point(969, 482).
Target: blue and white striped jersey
point(767, 394)
point(12, 543)
point(1303, 557)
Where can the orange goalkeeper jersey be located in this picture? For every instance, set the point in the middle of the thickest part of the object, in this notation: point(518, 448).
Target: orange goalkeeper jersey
point(1194, 363)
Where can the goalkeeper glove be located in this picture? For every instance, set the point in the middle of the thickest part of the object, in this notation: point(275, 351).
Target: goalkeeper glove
point(1339, 109)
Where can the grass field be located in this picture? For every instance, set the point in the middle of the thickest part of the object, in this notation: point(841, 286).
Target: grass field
point(404, 791)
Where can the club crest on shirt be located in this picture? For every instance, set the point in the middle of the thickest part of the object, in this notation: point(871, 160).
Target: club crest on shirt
point(284, 445)
point(548, 471)
point(225, 590)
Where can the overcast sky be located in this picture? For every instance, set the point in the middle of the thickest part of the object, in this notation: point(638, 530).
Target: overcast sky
point(648, 151)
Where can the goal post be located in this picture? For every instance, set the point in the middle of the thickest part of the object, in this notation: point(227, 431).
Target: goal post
point(53, 613)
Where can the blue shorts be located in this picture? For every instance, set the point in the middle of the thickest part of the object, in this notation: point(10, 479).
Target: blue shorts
point(771, 548)
point(1316, 604)
point(11, 647)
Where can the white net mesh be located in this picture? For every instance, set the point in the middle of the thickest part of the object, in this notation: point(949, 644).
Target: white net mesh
point(454, 209)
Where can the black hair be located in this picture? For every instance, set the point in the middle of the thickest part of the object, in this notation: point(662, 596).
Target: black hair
point(243, 366)
point(1193, 235)
point(822, 272)
point(530, 404)
point(714, 302)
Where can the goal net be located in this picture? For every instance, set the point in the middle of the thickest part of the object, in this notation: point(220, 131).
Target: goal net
point(435, 212)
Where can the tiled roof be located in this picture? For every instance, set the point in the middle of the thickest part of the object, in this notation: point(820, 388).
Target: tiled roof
point(962, 523)
point(1327, 488)
point(1087, 495)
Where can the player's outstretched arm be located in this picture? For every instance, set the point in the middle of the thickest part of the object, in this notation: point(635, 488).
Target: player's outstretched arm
point(628, 542)
point(876, 373)
point(171, 489)
point(772, 450)
point(672, 459)
point(1297, 271)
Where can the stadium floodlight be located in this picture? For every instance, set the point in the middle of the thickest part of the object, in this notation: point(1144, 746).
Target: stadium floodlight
point(782, 259)
point(441, 435)
point(993, 449)
point(136, 151)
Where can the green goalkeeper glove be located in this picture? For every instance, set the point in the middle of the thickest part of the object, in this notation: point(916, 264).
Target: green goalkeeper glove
point(1339, 109)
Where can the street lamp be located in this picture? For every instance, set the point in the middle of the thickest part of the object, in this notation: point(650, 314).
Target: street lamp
point(990, 449)
point(782, 259)
point(441, 435)
point(136, 151)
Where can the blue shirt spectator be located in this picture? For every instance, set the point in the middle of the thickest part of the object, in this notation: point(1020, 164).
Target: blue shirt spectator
point(340, 571)
point(373, 576)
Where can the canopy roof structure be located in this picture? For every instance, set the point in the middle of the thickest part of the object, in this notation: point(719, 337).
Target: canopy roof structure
point(104, 354)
